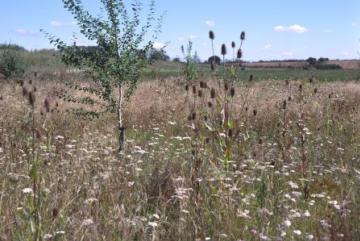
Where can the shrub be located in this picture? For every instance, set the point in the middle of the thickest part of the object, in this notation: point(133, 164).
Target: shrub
point(12, 63)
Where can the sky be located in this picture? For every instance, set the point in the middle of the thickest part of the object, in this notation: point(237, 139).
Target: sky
point(275, 29)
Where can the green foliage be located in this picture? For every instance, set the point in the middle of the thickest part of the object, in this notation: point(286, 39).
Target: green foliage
point(12, 63)
point(118, 57)
point(190, 70)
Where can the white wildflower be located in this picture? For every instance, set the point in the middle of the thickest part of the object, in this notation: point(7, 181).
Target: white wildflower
point(293, 185)
point(297, 232)
point(27, 190)
point(87, 222)
point(287, 223)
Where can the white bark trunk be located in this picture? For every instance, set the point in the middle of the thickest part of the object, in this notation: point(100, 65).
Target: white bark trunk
point(121, 119)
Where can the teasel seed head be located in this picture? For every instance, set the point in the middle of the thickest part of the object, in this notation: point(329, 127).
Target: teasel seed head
point(200, 93)
point(21, 83)
point(239, 54)
point(187, 87)
point(223, 50)
point(254, 112)
point(212, 93)
point(289, 98)
point(230, 133)
point(210, 104)
point(284, 105)
point(300, 87)
point(30, 82)
point(226, 86)
point(194, 89)
point(311, 80)
point(31, 98)
point(47, 105)
point(233, 45)
point(251, 77)
point(211, 35)
point(232, 92)
point(193, 116)
point(24, 91)
point(242, 36)
point(315, 91)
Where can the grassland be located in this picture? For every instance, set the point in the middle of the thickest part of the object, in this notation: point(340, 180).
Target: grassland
point(260, 160)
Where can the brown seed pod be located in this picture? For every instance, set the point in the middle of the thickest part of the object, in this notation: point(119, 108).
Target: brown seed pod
point(47, 104)
point(211, 35)
point(212, 93)
point(31, 98)
point(242, 36)
point(232, 92)
point(223, 50)
point(239, 54)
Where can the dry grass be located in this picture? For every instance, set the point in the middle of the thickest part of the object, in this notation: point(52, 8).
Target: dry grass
point(169, 185)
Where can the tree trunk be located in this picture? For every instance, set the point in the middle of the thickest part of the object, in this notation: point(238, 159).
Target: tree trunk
point(121, 120)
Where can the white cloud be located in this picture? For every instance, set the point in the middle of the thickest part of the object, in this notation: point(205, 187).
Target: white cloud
point(25, 32)
point(58, 24)
point(287, 54)
point(296, 28)
point(210, 23)
point(158, 45)
point(279, 28)
point(268, 46)
point(346, 53)
point(191, 36)
point(354, 24)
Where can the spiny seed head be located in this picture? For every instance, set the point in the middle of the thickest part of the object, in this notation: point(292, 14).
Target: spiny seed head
point(226, 86)
point(212, 93)
point(187, 87)
point(254, 112)
point(24, 91)
point(300, 87)
point(311, 80)
point(315, 90)
point(251, 77)
point(211, 35)
point(289, 98)
point(31, 98)
point(30, 82)
point(193, 116)
point(47, 105)
point(232, 92)
point(230, 133)
point(242, 36)
point(260, 141)
point(35, 74)
point(202, 85)
point(284, 104)
point(233, 45)
point(210, 105)
point(21, 83)
point(223, 49)
point(239, 54)
point(200, 93)
point(194, 89)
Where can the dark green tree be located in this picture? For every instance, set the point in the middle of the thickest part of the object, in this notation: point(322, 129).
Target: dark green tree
point(120, 52)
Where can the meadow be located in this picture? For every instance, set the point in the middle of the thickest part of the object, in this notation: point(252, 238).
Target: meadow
point(274, 158)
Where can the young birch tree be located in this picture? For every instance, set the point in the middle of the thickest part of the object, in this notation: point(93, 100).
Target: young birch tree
point(122, 44)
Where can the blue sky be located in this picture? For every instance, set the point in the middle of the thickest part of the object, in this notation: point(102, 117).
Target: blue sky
point(276, 29)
